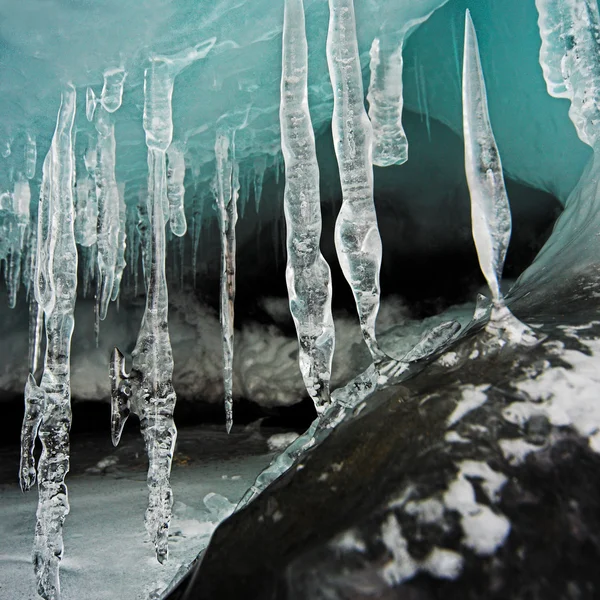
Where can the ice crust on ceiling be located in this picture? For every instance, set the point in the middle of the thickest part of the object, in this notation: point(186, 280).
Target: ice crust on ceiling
point(46, 44)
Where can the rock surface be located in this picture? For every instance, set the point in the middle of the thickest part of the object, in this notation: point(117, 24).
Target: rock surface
point(478, 478)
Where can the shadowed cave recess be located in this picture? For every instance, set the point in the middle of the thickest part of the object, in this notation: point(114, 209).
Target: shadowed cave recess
point(150, 155)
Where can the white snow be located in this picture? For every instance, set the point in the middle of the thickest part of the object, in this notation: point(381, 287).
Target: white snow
point(484, 530)
point(472, 397)
point(566, 397)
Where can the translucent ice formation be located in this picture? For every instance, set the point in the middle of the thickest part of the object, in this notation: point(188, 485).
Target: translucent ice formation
point(490, 211)
point(385, 96)
point(48, 406)
point(111, 225)
point(570, 31)
point(570, 62)
point(227, 188)
point(148, 390)
point(357, 238)
point(308, 276)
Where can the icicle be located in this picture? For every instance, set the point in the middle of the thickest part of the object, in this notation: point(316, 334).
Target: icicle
point(198, 214)
point(176, 189)
point(357, 238)
point(148, 391)
point(48, 406)
point(226, 197)
point(21, 199)
point(109, 203)
point(121, 242)
point(307, 273)
point(86, 219)
point(260, 167)
point(570, 32)
point(490, 211)
point(143, 226)
point(390, 146)
point(30, 156)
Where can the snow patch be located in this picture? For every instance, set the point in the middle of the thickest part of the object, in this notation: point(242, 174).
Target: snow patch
point(440, 562)
point(515, 450)
point(472, 397)
point(566, 397)
point(484, 530)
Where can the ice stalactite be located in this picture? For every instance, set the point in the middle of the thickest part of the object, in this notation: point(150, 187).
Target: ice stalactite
point(308, 275)
point(385, 95)
point(570, 32)
point(109, 204)
point(260, 167)
point(357, 239)
point(48, 406)
point(19, 224)
point(199, 202)
point(490, 210)
point(86, 218)
point(176, 189)
point(30, 156)
point(148, 390)
point(226, 192)
point(121, 242)
point(386, 101)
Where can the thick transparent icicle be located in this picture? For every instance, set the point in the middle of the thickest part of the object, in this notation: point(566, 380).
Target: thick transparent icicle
point(48, 406)
point(148, 390)
point(158, 91)
point(176, 189)
point(357, 239)
point(86, 219)
point(30, 156)
point(386, 102)
point(490, 210)
point(570, 32)
point(121, 243)
point(307, 273)
point(226, 197)
point(109, 203)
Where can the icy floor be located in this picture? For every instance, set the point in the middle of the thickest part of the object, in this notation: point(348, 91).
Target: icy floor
point(107, 553)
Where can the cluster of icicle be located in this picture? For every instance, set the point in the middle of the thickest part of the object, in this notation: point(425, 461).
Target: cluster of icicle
point(97, 219)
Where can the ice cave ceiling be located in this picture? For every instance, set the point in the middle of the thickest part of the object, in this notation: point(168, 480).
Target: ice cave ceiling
point(46, 44)
point(423, 205)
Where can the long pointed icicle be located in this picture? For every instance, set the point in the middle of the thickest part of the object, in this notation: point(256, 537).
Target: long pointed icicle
point(148, 390)
point(357, 239)
point(109, 209)
point(226, 197)
point(48, 406)
point(307, 274)
point(490, 210)
point(21, 200)
point(30, 156)
point(570, 32)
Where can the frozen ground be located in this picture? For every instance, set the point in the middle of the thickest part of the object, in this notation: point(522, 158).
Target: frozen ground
point(107, 553)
